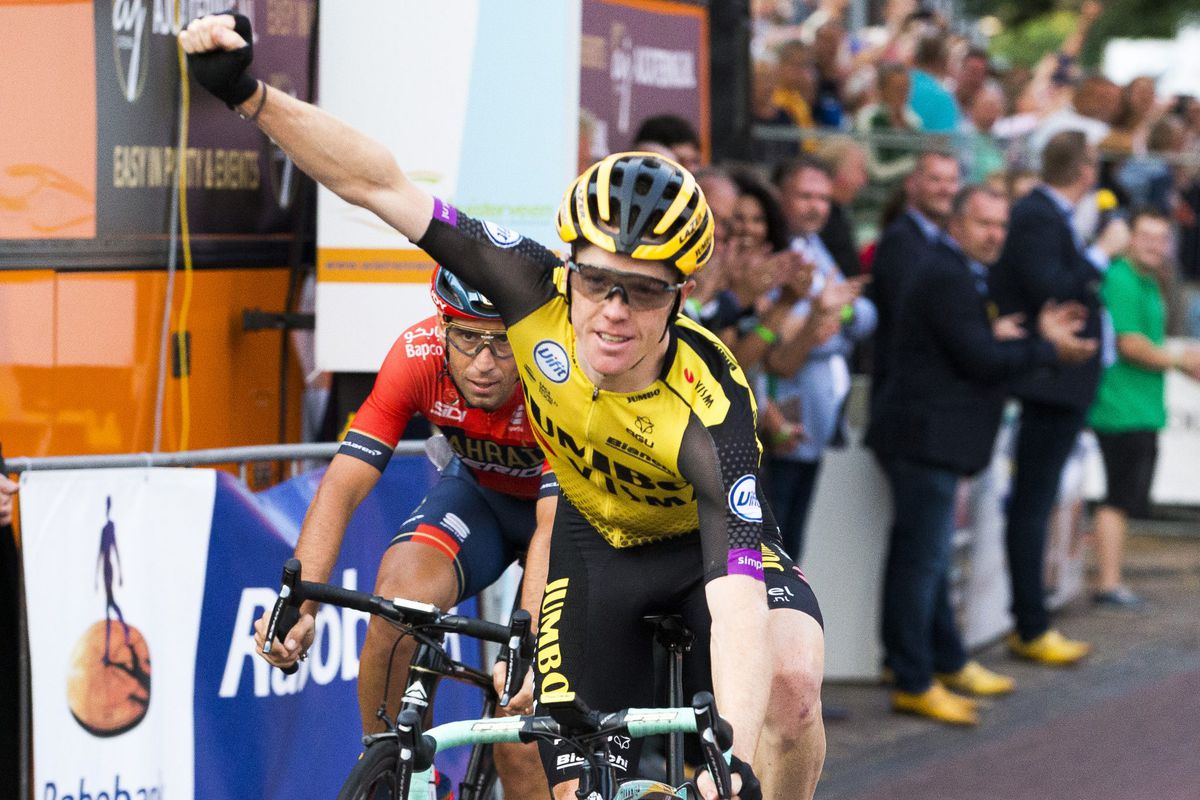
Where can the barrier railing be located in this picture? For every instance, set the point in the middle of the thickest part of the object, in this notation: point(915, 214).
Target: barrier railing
point(242, 456)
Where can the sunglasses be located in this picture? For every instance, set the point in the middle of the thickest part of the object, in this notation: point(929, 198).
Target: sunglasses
point(640, 292)
point(471, 341)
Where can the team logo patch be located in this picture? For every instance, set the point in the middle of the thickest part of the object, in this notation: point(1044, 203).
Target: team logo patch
point(500, 235)
point(551, 359)
point(743, 499)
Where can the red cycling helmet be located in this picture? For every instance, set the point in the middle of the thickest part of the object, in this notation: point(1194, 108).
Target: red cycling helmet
point(454, 298)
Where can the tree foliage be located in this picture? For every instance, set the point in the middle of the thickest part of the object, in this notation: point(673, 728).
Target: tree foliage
point(1035, 27)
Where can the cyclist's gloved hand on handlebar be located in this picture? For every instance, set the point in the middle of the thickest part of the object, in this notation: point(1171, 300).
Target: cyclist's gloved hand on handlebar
point(745, 782)
point(295, 644)
point(220, 50)
point(520, 704)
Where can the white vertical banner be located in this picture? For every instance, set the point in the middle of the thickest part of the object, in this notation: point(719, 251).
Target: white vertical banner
point(479, 102)
point(115, 564)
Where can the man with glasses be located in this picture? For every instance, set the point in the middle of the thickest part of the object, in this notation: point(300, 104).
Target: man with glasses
point(645, 417)
point(456, 369)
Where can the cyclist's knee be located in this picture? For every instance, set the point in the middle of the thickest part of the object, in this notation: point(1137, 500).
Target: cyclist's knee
point(796, 687)
point(417, 572)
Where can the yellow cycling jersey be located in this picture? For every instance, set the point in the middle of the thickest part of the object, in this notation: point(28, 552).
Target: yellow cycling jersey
point(677, 457)
point(616, 456)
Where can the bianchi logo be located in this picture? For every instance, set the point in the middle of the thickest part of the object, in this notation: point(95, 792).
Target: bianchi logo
point(131, 45)
point(500, 235)
point(743, 499)
point(551, 359)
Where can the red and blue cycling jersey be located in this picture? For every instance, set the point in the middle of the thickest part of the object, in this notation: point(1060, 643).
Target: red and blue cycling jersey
point(498, 447)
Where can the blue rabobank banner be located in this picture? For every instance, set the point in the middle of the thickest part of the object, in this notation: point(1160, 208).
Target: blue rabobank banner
point(223, 725)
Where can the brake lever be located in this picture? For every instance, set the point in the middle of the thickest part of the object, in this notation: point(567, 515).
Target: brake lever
point(286, 612)
point(519, 654)
point(715, 737)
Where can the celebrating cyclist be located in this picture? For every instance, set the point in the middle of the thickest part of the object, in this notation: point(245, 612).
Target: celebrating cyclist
point(646, 419)
point(456, 369)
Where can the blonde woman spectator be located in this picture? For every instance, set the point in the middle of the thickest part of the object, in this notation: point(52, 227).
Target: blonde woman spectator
point(795, 83)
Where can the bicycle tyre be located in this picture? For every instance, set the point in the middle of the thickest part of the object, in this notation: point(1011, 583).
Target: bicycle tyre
point(374, 775)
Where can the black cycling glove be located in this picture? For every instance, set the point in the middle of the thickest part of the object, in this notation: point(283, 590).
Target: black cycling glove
point(223, 72)
point(751, 788)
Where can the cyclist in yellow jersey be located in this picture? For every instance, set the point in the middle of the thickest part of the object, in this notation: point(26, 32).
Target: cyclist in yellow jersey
point(645, 417)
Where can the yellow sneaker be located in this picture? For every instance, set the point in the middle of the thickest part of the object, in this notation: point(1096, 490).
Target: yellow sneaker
point(974, 678)
point(937, 703)
point(1051, 648)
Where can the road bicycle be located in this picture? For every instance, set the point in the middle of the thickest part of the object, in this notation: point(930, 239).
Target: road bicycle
point(374, 774)
point(398, 763)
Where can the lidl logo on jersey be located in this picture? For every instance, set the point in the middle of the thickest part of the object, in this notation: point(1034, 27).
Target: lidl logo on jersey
point(551, 359)
point(500, 235)
point(743, 499)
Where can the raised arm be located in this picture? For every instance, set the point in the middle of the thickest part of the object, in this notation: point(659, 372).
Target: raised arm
point(349, 163)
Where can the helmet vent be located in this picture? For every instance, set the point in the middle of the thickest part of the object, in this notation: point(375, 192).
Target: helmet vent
point(643, 185)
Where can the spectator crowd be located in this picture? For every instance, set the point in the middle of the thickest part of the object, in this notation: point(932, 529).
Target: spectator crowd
point(1032, 229)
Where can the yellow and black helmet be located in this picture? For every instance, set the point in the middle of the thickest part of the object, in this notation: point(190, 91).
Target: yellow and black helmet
point(641, 205)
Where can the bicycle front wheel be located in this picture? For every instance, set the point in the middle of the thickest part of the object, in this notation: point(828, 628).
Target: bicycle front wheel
point(374, 776)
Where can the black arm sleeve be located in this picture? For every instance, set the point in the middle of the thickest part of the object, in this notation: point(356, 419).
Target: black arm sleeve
point(721, 463)
point(514, 272)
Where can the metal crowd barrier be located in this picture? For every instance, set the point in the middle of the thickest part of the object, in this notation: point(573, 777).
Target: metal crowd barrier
point(294, 454)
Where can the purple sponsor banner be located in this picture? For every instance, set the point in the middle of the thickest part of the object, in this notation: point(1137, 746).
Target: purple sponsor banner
point(639, 59)
point(238, 181)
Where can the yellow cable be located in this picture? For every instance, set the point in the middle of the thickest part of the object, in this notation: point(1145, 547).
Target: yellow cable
point(183, 351)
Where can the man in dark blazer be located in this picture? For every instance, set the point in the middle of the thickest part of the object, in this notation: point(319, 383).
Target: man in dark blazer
point(1045, 259)
point(935, 421)
point(929, 191)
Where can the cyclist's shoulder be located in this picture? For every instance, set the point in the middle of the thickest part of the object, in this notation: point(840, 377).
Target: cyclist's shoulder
point(703, 372)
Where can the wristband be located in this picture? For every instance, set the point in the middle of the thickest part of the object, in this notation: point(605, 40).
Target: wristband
point(847, 314)
point(766, 334)
point(782, 435)
point(262, 101)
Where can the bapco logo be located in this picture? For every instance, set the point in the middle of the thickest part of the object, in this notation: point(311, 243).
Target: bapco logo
point(131, 45)
point(551, 359)
point(644, 425)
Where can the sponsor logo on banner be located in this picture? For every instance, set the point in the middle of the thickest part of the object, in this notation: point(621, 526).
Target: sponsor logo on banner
point(500, 235)
point(551, 359)
point(332, 656)
point(131, 45)
point(743, 499)
point(108, 687)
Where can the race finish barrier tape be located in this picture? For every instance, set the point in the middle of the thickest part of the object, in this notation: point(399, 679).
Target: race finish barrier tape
point(142, 587)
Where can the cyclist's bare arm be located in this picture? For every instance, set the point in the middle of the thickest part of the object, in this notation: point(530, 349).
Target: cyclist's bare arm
point(349, 163)
point(741, 661)
point(734, 589)
point(346, 482)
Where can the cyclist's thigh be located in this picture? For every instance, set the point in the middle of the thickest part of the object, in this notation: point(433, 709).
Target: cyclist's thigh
point(516, 519)
point(456, 520)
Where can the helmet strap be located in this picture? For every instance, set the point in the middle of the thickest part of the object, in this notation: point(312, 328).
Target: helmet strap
point(671, 316)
